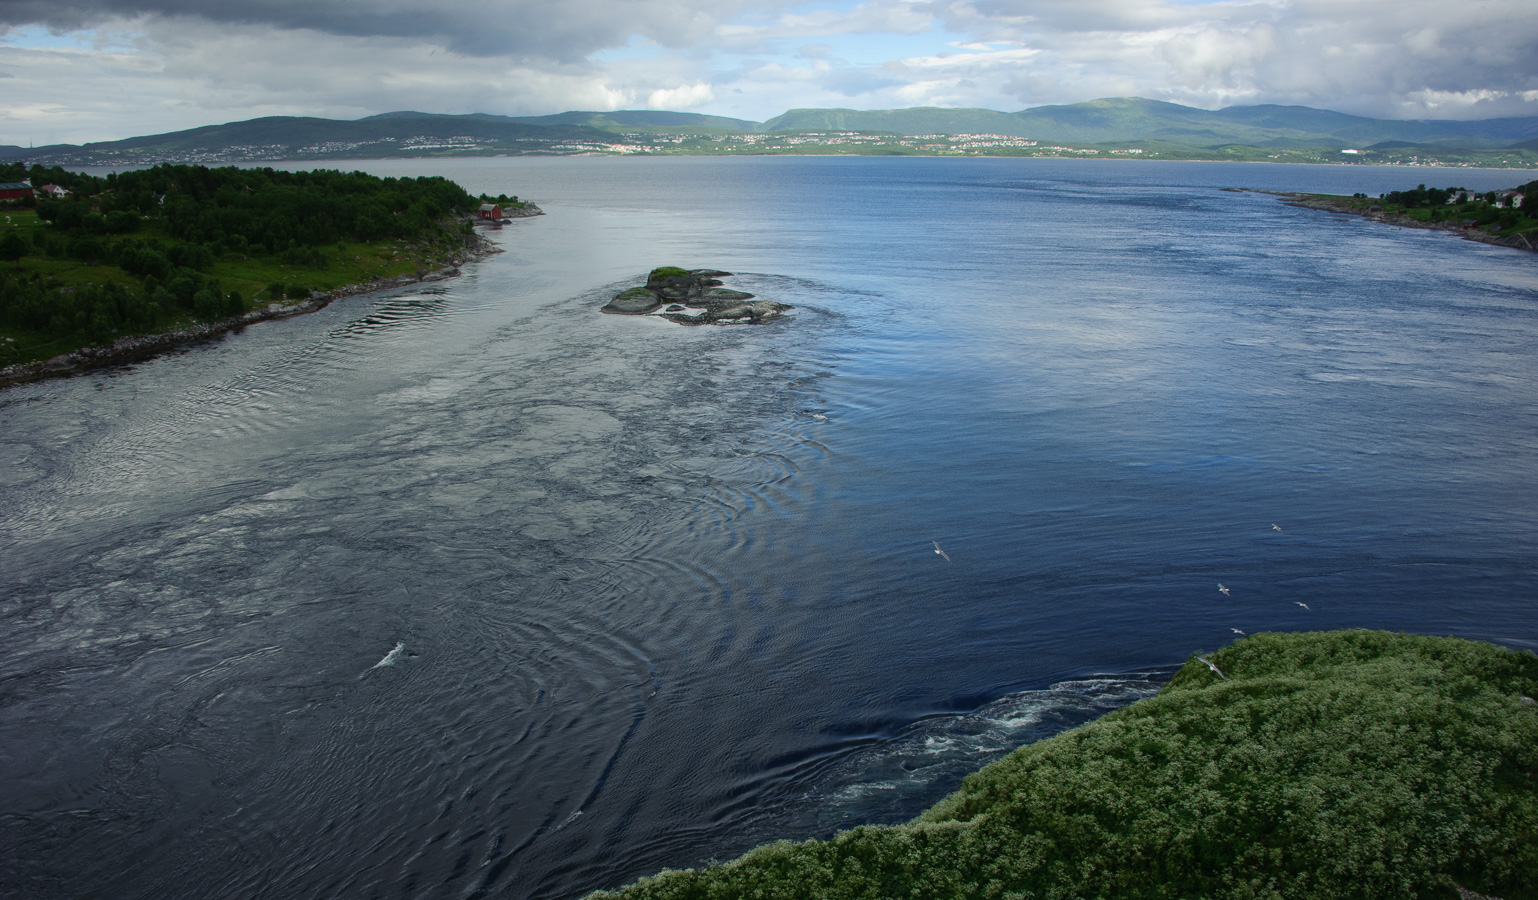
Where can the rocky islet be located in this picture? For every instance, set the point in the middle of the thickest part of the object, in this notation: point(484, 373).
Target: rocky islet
point(694, 297)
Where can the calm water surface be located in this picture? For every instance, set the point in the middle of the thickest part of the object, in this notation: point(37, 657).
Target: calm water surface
point(471, 591)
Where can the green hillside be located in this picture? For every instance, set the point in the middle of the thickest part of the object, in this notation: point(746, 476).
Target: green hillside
point(1132, 119)
point(918, 120)
point(295, 134)
point(645, 120)
point(1154, 128)
point(1353, 764)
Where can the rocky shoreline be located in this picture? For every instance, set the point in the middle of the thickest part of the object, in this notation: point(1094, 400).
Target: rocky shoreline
point(1324, 204)
point(694, 297)
point(141, 346)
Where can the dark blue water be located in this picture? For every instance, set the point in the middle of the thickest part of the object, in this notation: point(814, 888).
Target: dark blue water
point(472, 591)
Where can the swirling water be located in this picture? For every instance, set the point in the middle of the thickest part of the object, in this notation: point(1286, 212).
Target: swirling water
point(468, 590)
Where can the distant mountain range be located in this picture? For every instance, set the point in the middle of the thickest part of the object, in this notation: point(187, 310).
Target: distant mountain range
point(1131, 119)
point(1119, 122)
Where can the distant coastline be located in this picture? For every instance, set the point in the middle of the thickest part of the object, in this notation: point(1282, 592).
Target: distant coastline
point(1350, 206)
point(1109, 128)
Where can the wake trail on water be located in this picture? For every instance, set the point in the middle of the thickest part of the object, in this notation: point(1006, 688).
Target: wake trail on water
point(391, 657)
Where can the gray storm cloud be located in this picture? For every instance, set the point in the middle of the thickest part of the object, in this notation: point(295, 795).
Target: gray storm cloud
point(565, 30)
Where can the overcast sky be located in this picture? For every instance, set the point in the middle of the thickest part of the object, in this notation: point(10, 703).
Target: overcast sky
point(83, 70)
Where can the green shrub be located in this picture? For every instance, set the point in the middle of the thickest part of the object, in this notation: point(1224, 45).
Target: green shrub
point(12, 246)
point(1346, 764)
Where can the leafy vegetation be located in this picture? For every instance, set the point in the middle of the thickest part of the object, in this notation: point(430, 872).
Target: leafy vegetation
point(504, 200)
point(1489, 210)
point(1345, 764)
point(662, 272)
point(148, 250)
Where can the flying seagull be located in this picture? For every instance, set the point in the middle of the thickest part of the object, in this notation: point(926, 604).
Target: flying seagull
point(1223, 589)
point(1302, 604)
point(1276, 528)
point(941, 552)
point(1213, 667)
point(1236, 631)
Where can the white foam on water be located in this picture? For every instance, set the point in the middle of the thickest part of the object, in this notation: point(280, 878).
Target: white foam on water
point(887, 780)
point(392, 656)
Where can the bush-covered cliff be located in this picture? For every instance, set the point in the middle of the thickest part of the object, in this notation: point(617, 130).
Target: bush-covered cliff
point(1327, 765)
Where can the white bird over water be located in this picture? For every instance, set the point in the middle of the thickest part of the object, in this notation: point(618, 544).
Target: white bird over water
point(1213, 667)
point(1302, 604)
point(1223, 589)
point(1276, 528)
point(1236, 631)
point(941, 552)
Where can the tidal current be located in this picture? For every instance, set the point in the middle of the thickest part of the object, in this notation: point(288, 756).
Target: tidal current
point(469, 590)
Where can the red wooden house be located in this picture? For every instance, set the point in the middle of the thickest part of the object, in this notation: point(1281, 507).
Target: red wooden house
point(15, 190)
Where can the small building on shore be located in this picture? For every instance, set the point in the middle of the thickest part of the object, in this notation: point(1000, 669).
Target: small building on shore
point(16, 190)
point(490, 212)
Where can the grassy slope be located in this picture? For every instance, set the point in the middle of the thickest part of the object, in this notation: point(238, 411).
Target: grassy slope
point(1330, 765)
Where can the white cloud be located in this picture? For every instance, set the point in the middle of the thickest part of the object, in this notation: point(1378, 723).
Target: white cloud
point(145, 66)
point(683, 97)
point(871, 17)
point(1374, 57)
point(985, 57)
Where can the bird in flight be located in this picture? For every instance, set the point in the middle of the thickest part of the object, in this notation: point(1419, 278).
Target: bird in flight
point(1236, 631)
point(1223, 589)
point(1213, 667)
point(1276, 528)
point(1302, 604)
point(941, 552)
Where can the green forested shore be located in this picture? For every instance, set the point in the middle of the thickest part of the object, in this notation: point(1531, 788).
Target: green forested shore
point(1354, 764)
point(156, 249)
point(1500, 212)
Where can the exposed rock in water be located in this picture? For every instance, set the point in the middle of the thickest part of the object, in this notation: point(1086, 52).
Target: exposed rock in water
point(694, 297)
point(633, 302)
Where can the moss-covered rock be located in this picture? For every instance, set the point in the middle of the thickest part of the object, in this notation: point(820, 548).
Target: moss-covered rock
point(634, 301)
point(1344, 764)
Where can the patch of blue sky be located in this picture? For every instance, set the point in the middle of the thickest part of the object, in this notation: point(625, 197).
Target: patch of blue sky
point(36, 37)
point(638, 48)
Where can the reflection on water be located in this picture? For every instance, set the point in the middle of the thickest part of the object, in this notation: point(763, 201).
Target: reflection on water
point(473, 591)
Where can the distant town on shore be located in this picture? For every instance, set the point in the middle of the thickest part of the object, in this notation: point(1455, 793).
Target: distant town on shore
point(1116, 128)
